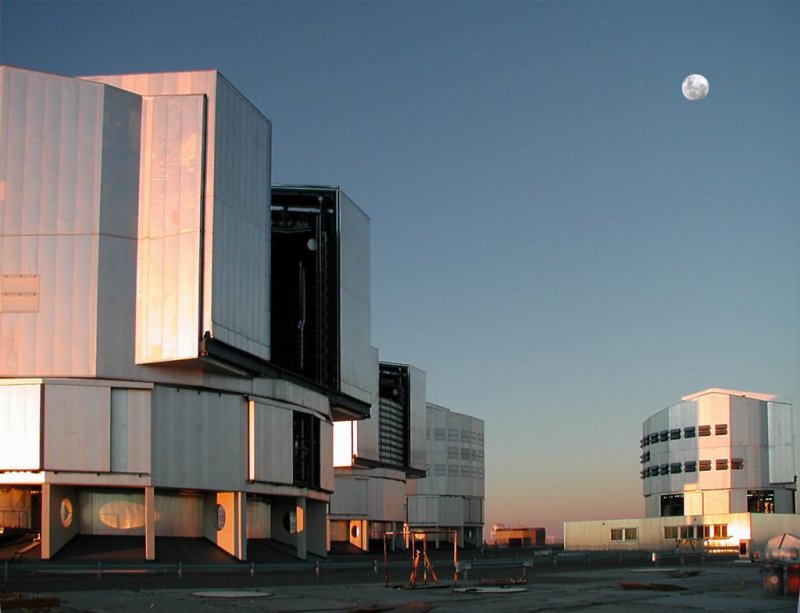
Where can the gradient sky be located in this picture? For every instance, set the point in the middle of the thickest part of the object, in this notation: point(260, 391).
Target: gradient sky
point(560, 240)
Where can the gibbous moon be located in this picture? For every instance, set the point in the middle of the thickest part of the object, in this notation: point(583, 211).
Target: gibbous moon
point(695, 87)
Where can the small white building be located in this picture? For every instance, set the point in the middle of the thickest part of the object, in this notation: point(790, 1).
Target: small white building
point(718, 472)
point(451, 496)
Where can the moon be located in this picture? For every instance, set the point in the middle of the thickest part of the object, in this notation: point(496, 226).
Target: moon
point(695, 87)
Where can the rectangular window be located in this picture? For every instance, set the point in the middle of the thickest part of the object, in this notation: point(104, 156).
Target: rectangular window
point(670, 532)
point(737, 463)
point(465, 436)
point(721, 429)
point(654, 438)
point(464, 453)
point(690, 466)
point(617, 534)
point(722, 464)
point(631, 534)
point(688, 432)
point(674, 434)
point(686, 532)
point(654, 471)
point(439, 434)
point(721, 531)
point(705, 465)
point(704, 430)
point(466, 471)
point(480, 454)
point(452, 470)
point(452, 435)
point(675, 467)
point(306, 450)
point(663, 435)
point(761, 501)
point(704, 532)
point(664, 469)
point(452, 453)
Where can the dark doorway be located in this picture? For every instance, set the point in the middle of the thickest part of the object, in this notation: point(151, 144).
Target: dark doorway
point(671, 505)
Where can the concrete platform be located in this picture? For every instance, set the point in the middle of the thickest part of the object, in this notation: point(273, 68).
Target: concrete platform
point(724, 586)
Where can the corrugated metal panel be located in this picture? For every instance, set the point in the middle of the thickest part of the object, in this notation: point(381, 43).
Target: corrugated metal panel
point(238, 274)
point(20, 427)
point(270, 435)
point(179, 515)
point(258, 520)
point(366, 440)
point(326, 455)
point(356, 354)
point(130, 431)
point(168, 277)
point(199, 439)
point(77, 427)
point(236, 241)
point(110, 513)
point(781, 438)
point(349, 498)
point(50, 164)
point(418, 418)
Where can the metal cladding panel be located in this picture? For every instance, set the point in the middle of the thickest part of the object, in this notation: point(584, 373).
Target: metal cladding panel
point(238, 273)
point(179, 515)
point(781, 438)
point(170, 218)
point(236, 239)
point(349, 496)
point(326, 455)
point(270, 443)
point(51, 149)
point(356, 354)
point(199, 439)
point(77, 427)
point(130, 431)
point(365, 444)
point(20, 429)
point(418, 418)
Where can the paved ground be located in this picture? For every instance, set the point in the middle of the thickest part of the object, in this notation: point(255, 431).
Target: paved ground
point(717, 586)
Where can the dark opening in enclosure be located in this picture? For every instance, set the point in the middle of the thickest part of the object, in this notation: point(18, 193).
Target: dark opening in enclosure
point(671, 505)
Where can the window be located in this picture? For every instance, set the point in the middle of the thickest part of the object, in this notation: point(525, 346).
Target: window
point(452, 470)
point(761, 501)
point(670, 532)
point(721, 531)
point(671, 505)
point(737, 463)
point(722, 464)
point(439, 434)
point(688, 432)
point(464, 453)
point(663, 435)
point(466, 471)
point(704, 430)
point(465, 438)
point(705, 465)
point(674, 434)
point(452, 453)
point(675, 467)
point(452, 435)
point(624, 534)
point(440, 470)
point(644, 458)
point(306, 449)
point(704, 532)
point(654, 438)
point(480, 454)
point(686, 532)
point(690, 466)
point(643, 442)
point(654, 471)
point(664, 469)
point(473, 454)
point(721, 429)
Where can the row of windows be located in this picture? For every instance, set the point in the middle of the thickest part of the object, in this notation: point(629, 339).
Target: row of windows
point(452, 470)
point(466, 453)
point(688, 432)
point(718, 531)
point(624, 534)
point(455, 436)
point(691, 466)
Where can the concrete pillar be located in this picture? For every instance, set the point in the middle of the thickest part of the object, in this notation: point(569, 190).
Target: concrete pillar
point(230, 523)
point(149, 523)
point(316, 528)
point(59, 518)
point(301, 527)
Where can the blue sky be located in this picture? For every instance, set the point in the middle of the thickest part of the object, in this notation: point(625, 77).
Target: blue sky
point(562, 241)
